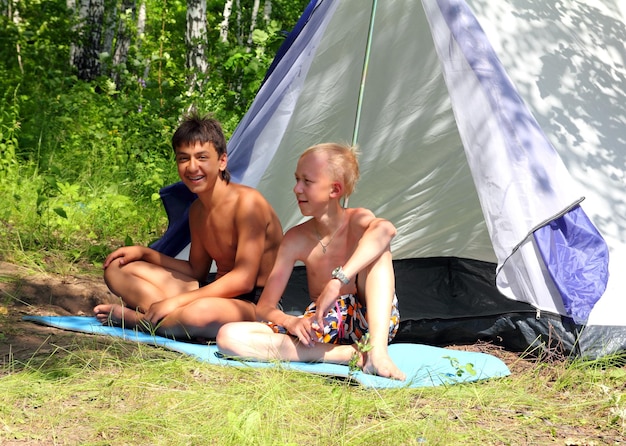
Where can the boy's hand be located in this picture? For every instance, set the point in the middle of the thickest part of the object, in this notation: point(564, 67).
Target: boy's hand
point(126, 255)
point(160, 310)
point(326, 300)
point(301, 327)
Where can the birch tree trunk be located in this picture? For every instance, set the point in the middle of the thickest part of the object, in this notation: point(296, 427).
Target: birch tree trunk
point(228, 7)
point(14, 15)
point(87, 53)
point(239, 28)
point(253, 16)
point(71, 7)
point(122, 40)
point(267, 11)
point(141, 21)
point(196, 39)
point(110, 19)
point(141, 31)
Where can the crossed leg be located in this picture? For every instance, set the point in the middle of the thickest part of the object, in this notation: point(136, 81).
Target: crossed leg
point(258, 341)
point(140, 284)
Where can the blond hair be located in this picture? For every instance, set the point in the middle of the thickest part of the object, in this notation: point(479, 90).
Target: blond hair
point(343, 164)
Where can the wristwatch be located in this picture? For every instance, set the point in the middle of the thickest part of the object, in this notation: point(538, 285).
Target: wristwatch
point(339, 274)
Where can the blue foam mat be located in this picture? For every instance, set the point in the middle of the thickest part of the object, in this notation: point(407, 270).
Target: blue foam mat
point(424, 366)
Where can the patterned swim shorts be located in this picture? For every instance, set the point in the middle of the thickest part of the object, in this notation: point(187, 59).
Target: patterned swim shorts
point(346, 323)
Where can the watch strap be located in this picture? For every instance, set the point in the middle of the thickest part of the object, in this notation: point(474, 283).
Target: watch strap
point(340, 275)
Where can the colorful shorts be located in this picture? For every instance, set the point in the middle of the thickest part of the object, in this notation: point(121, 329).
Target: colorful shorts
point(346, 323)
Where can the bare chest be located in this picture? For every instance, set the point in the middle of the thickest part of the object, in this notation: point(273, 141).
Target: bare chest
point(218, 234)
point(321, 262)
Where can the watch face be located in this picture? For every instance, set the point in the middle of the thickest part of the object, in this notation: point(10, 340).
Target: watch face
point(338, 274)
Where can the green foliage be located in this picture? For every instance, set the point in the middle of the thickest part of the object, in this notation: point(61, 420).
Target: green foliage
point(81, 163)
point(461, 370)
point(363, 346)
point(9, 131)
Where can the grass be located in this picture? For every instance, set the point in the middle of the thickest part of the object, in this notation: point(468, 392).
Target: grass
point(98, 391)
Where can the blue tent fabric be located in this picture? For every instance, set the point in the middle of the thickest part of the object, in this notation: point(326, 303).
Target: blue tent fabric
point(176, 200)
point(291, 37)
point(573, 250)
point(577, 258)
point(245, 164)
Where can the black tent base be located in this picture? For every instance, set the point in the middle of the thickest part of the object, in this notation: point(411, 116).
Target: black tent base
point(452, 301)
point(547, 336)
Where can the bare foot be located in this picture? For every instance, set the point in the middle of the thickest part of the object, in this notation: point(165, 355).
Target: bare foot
point(117, 315)
point(379, 363)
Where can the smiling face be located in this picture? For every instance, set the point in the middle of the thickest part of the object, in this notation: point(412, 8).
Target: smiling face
point(199, 166)
point(314, 186)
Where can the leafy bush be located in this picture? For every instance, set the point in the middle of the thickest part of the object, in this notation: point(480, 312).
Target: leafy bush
point(81, 163)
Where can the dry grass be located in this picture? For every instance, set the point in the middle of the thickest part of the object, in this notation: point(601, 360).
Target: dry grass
point(103, 391)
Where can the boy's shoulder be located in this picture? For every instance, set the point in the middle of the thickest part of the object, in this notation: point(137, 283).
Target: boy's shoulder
point(299, 232)
point(359, 213)
point(246, 191)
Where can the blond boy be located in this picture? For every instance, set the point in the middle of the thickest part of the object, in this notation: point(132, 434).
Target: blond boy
point(230, 224)
point(346, 252)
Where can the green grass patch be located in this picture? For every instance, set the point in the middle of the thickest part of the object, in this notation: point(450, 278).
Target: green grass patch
point(103, 391)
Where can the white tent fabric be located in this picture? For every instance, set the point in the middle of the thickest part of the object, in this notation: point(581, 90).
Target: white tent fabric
point(482, 126)
point(569, 64)
point(519, 176)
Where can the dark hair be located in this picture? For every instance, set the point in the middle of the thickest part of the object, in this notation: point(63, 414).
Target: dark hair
point(202, 129)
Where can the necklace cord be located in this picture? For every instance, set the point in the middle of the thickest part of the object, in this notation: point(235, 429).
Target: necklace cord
point(319, 239)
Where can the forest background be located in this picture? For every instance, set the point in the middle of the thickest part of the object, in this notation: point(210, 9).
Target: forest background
point(92, 91)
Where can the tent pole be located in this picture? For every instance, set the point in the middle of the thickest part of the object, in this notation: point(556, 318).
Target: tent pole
point(368, 48)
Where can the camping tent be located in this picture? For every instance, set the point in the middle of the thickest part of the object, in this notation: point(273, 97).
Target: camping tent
point(492, 134)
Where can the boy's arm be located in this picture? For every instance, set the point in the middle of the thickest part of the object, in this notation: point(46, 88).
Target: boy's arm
point(267, 307)
point(250, 226)
point(376, 237)
point(197, 268)
point(128, 254)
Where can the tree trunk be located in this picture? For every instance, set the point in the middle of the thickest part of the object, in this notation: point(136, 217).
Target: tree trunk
point(71, 7)
point(196, 40)
point(14, 15)
point(141, 30)
point(122, 41)
point(141, 21)
point(87, 52)
point(228, 7)
point(267, 11)
point(110, 19)
point(253, 16)
point(239, 28)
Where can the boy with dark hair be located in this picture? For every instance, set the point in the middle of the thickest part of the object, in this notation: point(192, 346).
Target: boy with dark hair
point(230, 224)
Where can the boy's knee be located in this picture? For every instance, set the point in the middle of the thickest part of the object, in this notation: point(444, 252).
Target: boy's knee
point(226, 338)
point(110, 273)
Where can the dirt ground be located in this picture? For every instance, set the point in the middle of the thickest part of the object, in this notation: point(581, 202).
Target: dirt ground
point(24, 292)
